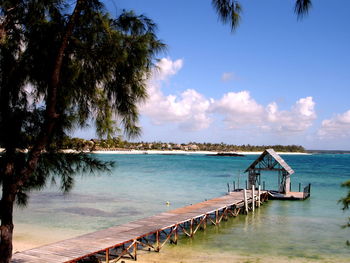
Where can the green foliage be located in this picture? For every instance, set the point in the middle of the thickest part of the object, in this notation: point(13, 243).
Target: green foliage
point(229, 11)
point(103, 72)
point(100, 79)
point(302, 7)
point(346, 204)
point(346, 200)
point(62, 67)
point(60, 168)
point(119, 143)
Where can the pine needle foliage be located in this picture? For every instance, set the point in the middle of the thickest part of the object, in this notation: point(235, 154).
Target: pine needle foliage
point(345, 201)
point(59, 169)
point(229, 11)
point(102, 78)
point(302, 7)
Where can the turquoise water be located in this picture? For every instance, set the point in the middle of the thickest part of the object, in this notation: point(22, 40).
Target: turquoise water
point(140, 186)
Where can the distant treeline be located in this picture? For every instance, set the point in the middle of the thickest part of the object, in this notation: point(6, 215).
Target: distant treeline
point(119, 144)
point(329, 151)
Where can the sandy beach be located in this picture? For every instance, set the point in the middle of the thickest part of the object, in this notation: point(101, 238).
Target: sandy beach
point(176, 254)
point(28, 237)
point(185, 255)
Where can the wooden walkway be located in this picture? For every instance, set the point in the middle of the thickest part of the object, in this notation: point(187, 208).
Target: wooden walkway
point(115, 243)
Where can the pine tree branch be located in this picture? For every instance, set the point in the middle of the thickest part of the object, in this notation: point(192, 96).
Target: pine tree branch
point(50, 112)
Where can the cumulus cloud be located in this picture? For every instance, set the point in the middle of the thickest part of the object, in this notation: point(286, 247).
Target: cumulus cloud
point(166, 68)
point(188, 110)
point(298, 119)
point(192, 111)
point(336, 127)
point(240, 109)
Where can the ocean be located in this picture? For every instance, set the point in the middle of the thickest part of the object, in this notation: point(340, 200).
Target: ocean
point(140, 185)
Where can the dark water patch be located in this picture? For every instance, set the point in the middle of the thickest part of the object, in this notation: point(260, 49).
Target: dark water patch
point(128, 211)
point(149, 171)
point(94, 212)
point(222, 175)
point(46, 197)
point(86, 211)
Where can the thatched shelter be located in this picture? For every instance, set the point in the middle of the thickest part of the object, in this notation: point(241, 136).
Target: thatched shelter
point(269, 160)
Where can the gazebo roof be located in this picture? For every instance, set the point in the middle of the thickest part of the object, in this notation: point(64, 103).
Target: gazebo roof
point(270, 166)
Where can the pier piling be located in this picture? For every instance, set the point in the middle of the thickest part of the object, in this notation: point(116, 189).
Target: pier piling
point(253, 198)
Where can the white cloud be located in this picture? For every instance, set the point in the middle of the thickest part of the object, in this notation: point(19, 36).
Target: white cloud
point(192, 111)
point(226, 76)
point(188, 109)
point(336, 127)
point(239, 109)
point(298, 119)
point(166, 68)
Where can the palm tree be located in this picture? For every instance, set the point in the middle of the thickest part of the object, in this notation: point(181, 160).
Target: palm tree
point(229, 11)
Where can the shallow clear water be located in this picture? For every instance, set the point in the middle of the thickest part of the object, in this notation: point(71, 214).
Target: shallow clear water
point(140, 186)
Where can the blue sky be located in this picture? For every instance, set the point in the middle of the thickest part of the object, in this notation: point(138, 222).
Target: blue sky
point(276, 80)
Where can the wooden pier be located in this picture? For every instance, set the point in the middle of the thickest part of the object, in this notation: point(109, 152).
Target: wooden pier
point(305, 194)
point(152, 233)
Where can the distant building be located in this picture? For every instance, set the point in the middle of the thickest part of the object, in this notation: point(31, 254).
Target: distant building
point(140, 146)
point(193, 147)
point(177, 147)
point(184, 147)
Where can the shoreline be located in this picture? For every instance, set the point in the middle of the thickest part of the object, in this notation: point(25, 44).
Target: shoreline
point(174, 152)
point(169, 152)
point(181, 253)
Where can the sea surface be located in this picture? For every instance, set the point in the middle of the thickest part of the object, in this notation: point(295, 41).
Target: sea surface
point(140, 185)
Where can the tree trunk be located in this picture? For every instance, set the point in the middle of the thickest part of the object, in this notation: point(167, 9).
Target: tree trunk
point(6, 216)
